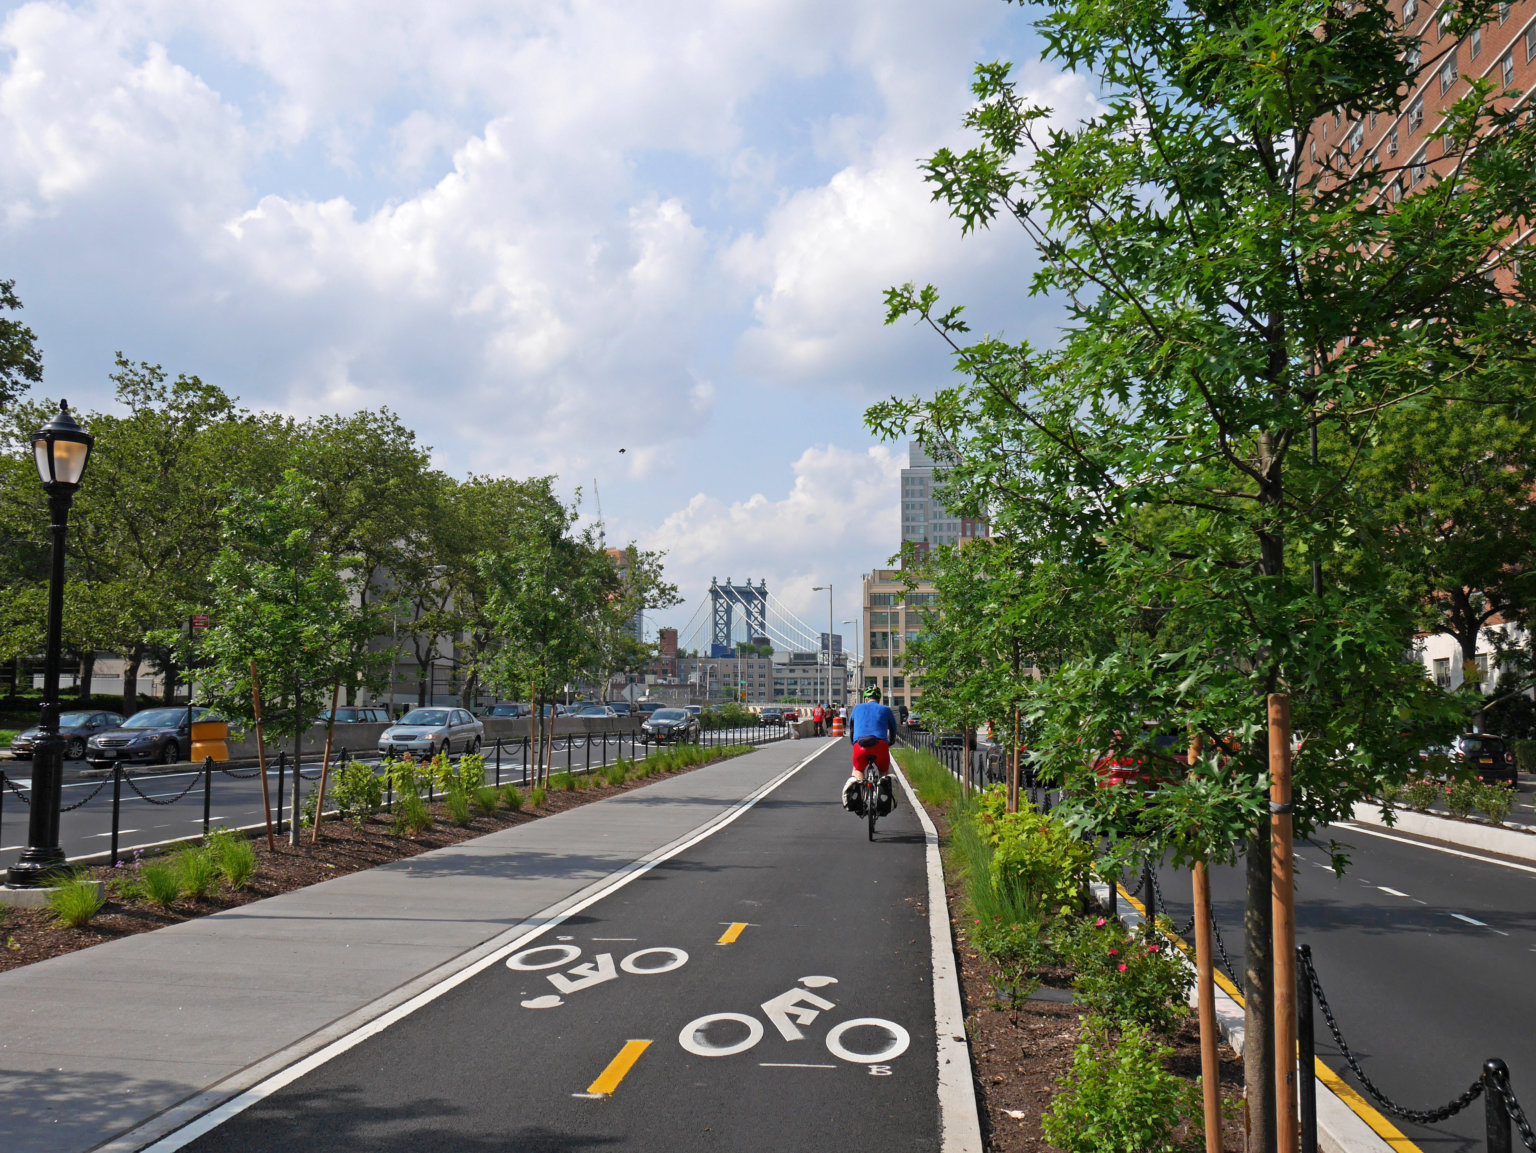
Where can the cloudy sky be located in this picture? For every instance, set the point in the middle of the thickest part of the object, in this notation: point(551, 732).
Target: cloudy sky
point(541, 230)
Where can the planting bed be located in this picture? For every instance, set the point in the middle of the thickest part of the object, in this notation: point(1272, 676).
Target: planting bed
point(29, 935)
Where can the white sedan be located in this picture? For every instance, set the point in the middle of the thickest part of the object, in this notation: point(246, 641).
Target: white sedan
point(426, 732)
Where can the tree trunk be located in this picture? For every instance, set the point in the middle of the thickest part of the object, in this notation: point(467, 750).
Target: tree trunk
point(87, 673)
point(1258, 993)
point(172, 679)
point(131, 682)
point(295, 809)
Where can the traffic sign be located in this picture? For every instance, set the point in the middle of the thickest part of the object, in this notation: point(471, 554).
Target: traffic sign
point(200, 620)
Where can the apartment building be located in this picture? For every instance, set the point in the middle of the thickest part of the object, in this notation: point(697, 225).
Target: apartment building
point(925, 522)
point(893, 617)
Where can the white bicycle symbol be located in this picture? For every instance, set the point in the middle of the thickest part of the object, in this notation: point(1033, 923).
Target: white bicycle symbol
point(787, 1012)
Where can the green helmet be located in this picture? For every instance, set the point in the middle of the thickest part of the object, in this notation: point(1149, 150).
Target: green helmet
point(872, 693)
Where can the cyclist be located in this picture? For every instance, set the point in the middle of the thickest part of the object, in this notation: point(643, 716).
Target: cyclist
point(871, 728)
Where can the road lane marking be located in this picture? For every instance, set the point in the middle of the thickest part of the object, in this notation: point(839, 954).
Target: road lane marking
point(608, 1080)
point(1392, 892)
point(213, 1107)
point(1470, 920)
point(1438, 848)
point(122, 832)
point(729, 936)
point(791, 1065)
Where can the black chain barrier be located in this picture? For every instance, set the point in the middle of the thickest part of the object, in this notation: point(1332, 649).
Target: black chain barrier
point(1499, 1078)
point(197, 779)
point(1221, 948)
point(250, 776)
point(1419, 1116)
point(1158, 899)
point(88, 800)
point(10, 784)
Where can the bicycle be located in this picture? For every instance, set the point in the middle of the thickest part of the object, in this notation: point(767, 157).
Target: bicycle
point(871, 797)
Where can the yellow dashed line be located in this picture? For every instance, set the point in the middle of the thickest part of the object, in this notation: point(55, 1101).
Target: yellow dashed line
point(610, 1077)
point(729, 936)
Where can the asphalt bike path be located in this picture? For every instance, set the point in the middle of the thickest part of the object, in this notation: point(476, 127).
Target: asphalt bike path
point(1427, 958)
point(769, 988)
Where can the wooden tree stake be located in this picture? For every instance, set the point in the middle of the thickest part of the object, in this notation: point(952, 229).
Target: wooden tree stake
point(1205, 984)
point(261, 758)
point(1284, 910)
point(325, 765)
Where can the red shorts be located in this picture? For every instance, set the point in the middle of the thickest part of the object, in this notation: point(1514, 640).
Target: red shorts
point(879, 752)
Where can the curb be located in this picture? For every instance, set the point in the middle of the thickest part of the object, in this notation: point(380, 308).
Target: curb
point(959, 1117)
point(1346, 1122)
point(1501, 839)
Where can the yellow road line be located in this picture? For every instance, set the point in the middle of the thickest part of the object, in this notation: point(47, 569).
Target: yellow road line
point(1363, 1109)
point(729, 936)
point(610, 1077)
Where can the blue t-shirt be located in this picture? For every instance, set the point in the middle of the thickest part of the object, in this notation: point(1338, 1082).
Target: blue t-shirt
point(871, 719)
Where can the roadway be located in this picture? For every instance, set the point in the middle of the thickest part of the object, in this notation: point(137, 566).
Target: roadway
point(1426, 957)
point(767, 989)
point(173, 809)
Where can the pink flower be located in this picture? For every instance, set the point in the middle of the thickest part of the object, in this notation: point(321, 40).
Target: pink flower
point(1151, 948)
point(1099, 924)
point(1114, 952)
point(1122, 968)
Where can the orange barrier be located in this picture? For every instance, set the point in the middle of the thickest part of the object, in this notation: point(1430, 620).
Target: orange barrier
point(837, 726)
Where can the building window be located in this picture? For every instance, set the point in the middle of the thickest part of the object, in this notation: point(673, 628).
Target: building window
point(1392, 143)
point(880, 640)
point(1448, 73)
point(1447, 14)
point(901, 682)
point(1416, 115)
point(1373, 122)
point(877, 620)
point(1503, 12)
point(1413, 57)
point(880, 599)
point(1475, 43)
point(1443, 672)
point(1507, 69)
point(1312, 151)
point(1416, 171)
point(1396, 191)
point(1410, 10)
point(1354, 140)
point(1530, 42)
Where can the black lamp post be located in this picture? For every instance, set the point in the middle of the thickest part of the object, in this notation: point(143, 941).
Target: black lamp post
point(61, 448)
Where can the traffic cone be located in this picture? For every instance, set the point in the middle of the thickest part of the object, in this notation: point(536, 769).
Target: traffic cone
point(837, 726)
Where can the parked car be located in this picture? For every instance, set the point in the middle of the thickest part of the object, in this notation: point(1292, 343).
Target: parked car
point(646, 708)
point(597, 711)
point(696, 710)
point(1491, 756)
point(671, 725)
point(771, 716)
point(512, 709)
point(75, 728)
point(425, 732)
point(1127, 767)
point(791, 716)
point(362, 715)
point(621, 708)
point(158, 736)
point(915, 723)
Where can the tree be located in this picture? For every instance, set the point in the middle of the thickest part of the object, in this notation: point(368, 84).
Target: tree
point(641, 585)
point(21, 363)
point(1221, 304)
point(280, 599)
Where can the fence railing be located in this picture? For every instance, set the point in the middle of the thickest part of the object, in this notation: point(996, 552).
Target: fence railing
point(508, 761)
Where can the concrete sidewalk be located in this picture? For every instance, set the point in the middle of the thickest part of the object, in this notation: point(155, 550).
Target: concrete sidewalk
point(99, 1042)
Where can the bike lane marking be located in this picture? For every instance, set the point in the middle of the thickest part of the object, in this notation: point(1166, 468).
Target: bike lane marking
point(608, 1080)
point(210, 1117)
point(729, 936)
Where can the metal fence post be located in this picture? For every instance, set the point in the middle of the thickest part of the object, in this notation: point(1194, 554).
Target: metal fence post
point(526, 740)
point(1114, 895)
point(117, 804)
point(1496, 1110)
point(1306, 1048)
point(207, 791)
point(570, 739)
point(1148, 894)
point(389, 790)
point(498, 762)
point(282, 775)
point(605, 748)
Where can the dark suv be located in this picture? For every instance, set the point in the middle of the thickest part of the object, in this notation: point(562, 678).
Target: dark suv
point(1493, 759)
point(159, 736)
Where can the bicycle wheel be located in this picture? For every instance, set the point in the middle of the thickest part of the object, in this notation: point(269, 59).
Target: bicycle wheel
point(871, 799)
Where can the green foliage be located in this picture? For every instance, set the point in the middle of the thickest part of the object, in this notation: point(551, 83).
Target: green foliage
point(1495, 801)
point(931, 781)
point(411, 815)
point(458, 808)
point(1461, 796)
point(75, 899)
point(21, 362)
point(486, 800)
point(234, 856)
point(357, 791)
point(1423, 792)
point(1126, 980)
point(1525, 756)
point(565, 781)
point(730, 715)
point(197, 869)
point(537, 796)
point(160, 883)
point(513, 798)
point(1119, 1096)
point(1033, 855)
point(406, 777)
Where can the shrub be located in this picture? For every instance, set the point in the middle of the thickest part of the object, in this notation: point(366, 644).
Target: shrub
point(1495, 801)
point(513, 798)
point(458, 808)
point(1424, 792)
point(486, 800)
point(75, 900)
point(537, 796)
point(1129, 981)
point(1461, 796)
point(160, 883)
point(412, 815)
point(566, 781)
point(1525, 756)
point(1033, 855)
point(197, 870)
point(470, 772)
point(234, 856)
point(406, 777)
point(356, 791)
point(1118, 1097)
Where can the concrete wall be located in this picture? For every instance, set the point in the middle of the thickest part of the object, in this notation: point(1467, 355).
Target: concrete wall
point(364, 738)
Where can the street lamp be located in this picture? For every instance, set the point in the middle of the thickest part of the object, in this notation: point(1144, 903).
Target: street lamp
point(61, 448)
point(827, 588)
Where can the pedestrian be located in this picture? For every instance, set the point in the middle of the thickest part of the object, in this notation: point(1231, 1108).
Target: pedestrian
point(817, 717)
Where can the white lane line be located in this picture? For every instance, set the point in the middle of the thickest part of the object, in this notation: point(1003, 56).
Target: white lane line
point(1470, 920)
point(1354, 828)
point(233, 1106)
point(959, 1121)
point(123, 832)
point(791, 1065)
point(1392, 892)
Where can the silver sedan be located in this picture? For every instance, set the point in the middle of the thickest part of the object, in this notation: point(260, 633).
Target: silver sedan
point(426, 732)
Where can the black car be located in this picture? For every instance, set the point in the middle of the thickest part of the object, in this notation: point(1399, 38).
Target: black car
point(671, 725)
point(771, 717)
point(359, 715)
point(1493, 759)
point(512, 709)
point(75, 728)
point(158, 736)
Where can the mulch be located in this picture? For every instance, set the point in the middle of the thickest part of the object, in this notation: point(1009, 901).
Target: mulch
point(1020, 1051)
point(30, 935)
